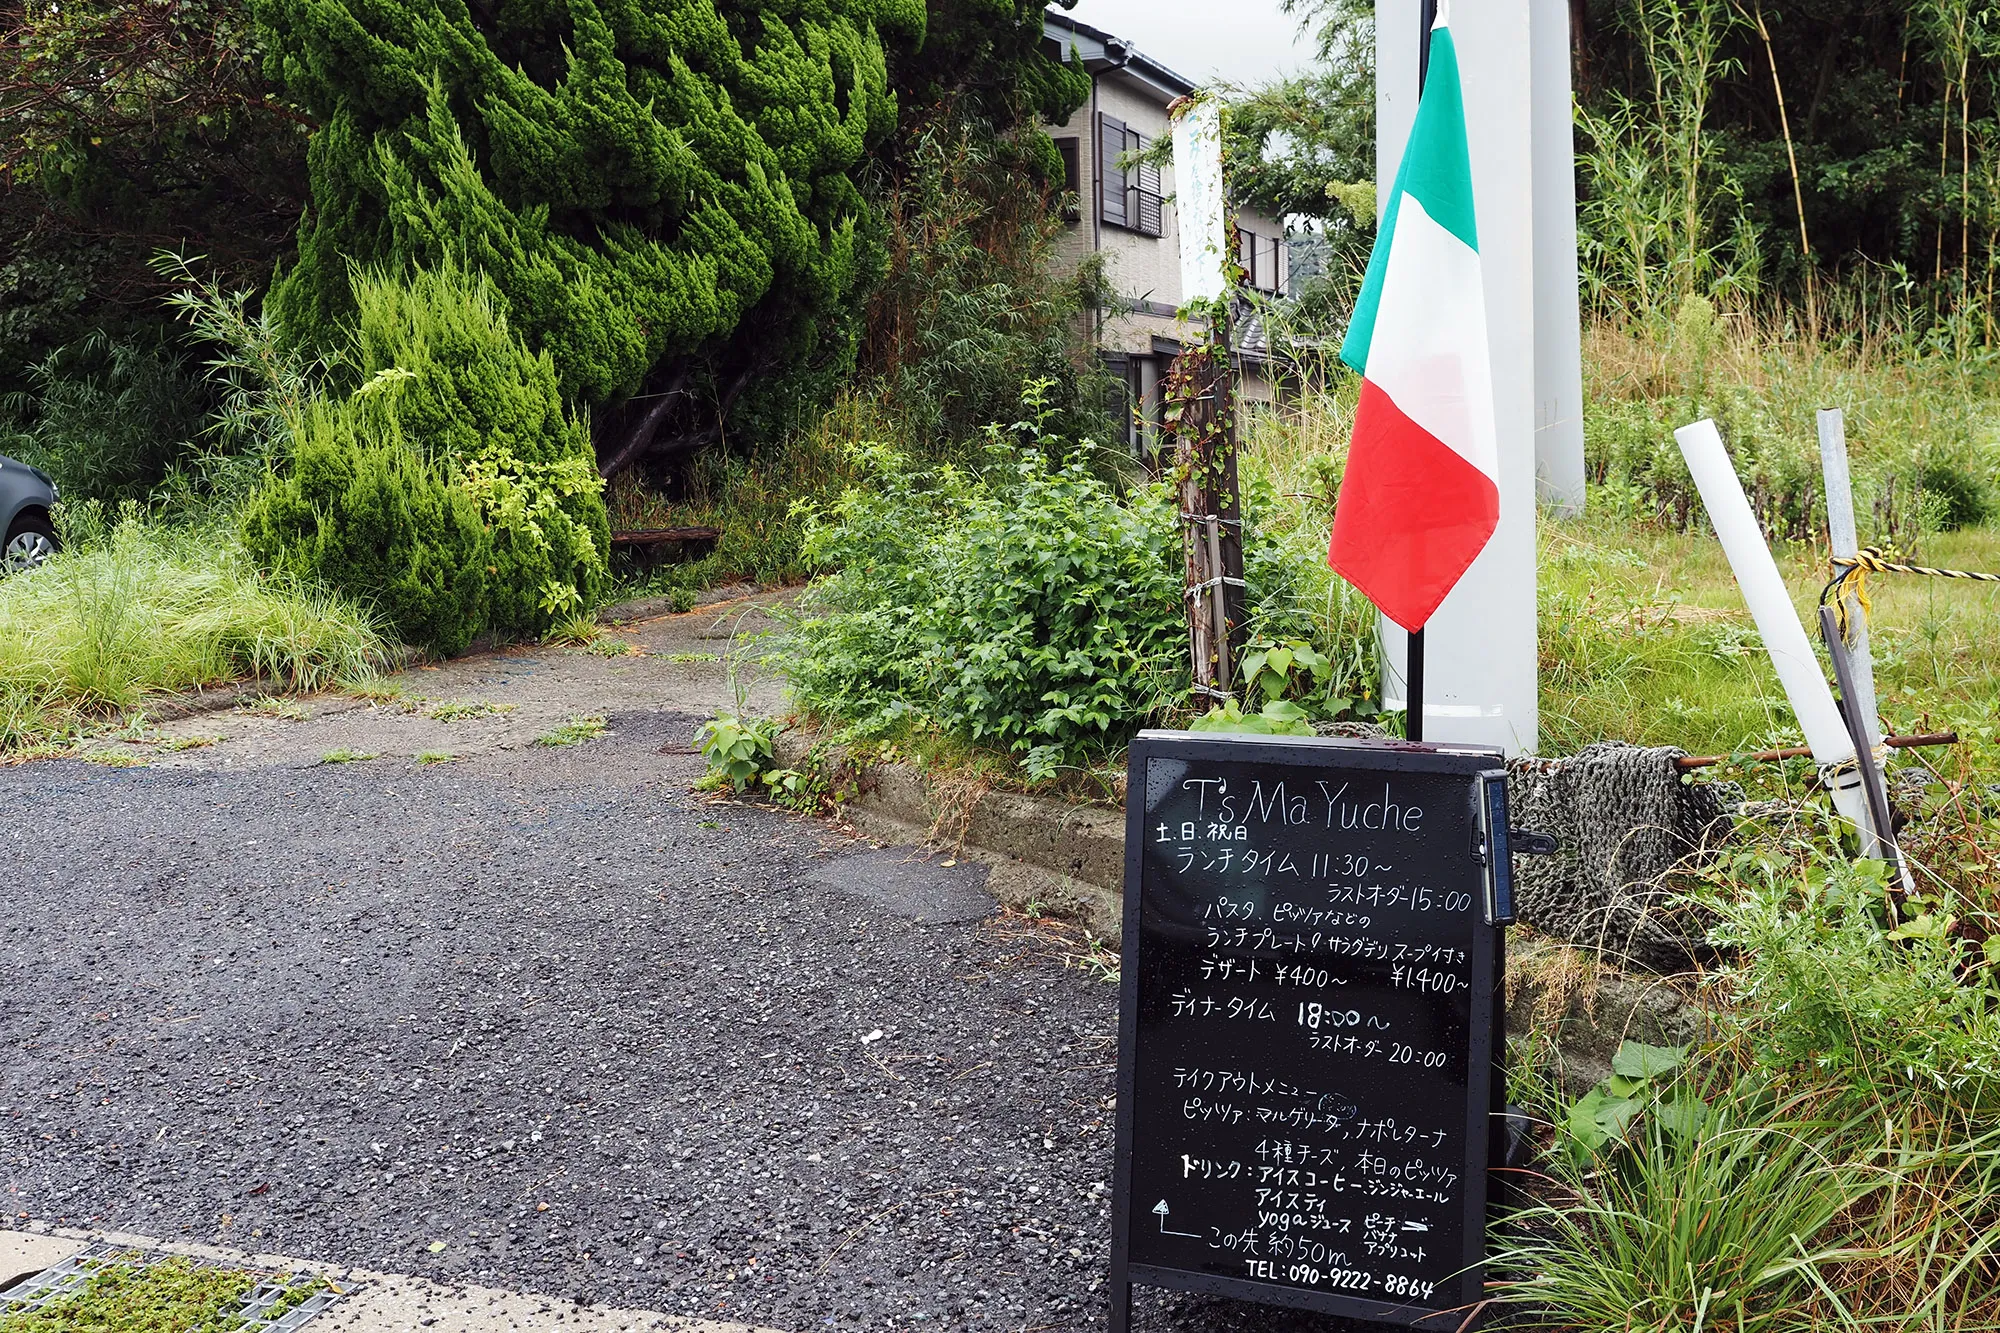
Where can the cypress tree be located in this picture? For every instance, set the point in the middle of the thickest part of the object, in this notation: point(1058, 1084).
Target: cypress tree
point(665, 193)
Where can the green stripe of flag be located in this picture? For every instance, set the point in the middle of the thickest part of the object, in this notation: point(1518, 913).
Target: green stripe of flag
point(1436, 171)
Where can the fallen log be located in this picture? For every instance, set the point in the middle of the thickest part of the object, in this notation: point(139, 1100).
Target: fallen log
point(663, 536)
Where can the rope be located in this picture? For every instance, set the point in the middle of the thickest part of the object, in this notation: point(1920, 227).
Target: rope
point(1852, 765)
point(1850, 579)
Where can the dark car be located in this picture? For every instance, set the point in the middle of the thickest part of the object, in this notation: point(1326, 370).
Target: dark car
point(27, 498)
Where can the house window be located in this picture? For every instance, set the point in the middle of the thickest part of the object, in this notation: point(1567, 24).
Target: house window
point(1128, 191)
point(1259, 257)
point(1072, 181)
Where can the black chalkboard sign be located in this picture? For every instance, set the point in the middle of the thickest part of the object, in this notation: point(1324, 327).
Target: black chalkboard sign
point(1309, 1031)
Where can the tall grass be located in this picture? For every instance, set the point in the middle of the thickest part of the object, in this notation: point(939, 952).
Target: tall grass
point(132, 607)
point(1780, 1211)
point(1919, 424)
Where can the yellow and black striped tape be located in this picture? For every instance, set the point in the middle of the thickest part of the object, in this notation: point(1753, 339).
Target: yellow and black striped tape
point(1850, 578)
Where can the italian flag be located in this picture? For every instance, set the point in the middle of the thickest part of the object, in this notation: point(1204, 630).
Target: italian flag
point(1420, 496)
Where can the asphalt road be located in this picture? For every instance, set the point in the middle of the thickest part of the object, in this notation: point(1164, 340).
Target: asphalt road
point(592, 1034)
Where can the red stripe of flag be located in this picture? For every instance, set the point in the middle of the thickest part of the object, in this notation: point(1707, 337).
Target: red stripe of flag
point(1412, 516)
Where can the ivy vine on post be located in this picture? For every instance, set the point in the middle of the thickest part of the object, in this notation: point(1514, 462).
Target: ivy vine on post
point(1200, 404)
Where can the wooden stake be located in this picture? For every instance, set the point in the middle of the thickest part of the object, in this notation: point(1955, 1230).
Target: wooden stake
point(1203, 416)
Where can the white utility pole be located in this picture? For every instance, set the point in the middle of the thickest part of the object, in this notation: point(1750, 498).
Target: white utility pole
point(1480, 663)
point(1558, 319)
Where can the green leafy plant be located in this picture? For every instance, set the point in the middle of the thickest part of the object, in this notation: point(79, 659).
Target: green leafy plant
point(740, 750)
point(343, 755)
point(1284, 670)
point(1278, 717)
point(1841, 973)
point(1641, 1076)
point(1026, 606)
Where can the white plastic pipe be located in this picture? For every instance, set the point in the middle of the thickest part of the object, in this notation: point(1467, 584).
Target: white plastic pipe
point(1777, 621)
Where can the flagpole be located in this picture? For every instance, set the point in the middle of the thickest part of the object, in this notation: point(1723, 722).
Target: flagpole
point(1413, 652)
point(1413, 686)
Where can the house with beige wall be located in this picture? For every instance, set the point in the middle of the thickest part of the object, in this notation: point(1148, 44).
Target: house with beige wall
point(1126, 215)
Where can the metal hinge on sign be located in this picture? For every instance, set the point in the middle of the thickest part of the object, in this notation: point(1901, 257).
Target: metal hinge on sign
point(1525, 843)
point(1498, 845)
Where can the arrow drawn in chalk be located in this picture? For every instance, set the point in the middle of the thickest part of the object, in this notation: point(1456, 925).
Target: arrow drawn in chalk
point(1160, 1210)
point(1416, 1226)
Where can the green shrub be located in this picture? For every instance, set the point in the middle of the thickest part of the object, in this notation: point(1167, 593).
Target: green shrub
point(1958, 495)
point(451, 488)
point(364, 513)
point(1875, 993)
point(739, 750)
point(464, 390)
point(1026, 606)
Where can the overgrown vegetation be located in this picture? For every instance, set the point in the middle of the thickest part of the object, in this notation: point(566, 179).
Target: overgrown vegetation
point(451, 486)
point(1024, 603)
point(132, 606)
point(1830, 1159)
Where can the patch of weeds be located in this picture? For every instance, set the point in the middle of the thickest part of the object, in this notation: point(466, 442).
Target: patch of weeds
point(457, 710)
point(1097, 960)
point(610, 645)
point(272, 705)
point(38, 750)
point(173, 744)
point(581, 727)
point(174, 1294)
point(378, 689)
point(429, 757)
point(345, 756)
point(578, 631)
point(685, 659)
point(112, 758)
point(680, 601)
point(1737, 1208)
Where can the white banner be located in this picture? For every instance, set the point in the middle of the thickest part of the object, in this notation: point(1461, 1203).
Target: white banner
point(1200, 200)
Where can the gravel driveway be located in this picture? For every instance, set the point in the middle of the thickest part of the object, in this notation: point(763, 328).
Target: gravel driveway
point(594, 1035)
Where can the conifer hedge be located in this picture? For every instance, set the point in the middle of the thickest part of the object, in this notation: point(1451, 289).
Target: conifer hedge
point(664, 192)
point(451, 490)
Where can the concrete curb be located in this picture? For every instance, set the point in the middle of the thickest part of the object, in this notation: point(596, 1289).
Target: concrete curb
point(377, 1302)
point(1048, 858)
point(1583, 1009)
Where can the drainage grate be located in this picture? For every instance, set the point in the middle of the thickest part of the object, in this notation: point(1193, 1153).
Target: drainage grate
point(273, 1286)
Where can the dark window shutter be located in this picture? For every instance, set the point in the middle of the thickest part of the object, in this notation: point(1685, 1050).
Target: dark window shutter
point(1147, 210)
point(1110, 176)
